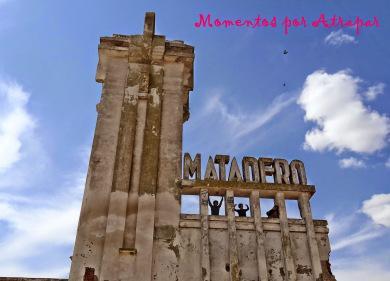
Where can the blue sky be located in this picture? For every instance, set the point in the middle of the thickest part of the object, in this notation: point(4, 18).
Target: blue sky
point(333, 114)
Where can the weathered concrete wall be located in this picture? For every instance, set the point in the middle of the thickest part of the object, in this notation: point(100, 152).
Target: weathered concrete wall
point(129, 221)
point(29, 279)
point(190, 248)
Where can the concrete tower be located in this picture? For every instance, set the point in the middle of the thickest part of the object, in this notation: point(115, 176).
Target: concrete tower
point(131, 226)
point(131, 207)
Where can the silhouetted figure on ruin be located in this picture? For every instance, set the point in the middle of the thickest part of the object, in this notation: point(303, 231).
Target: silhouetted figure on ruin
point(241, 211)
point(215, 207)
point(274, 212)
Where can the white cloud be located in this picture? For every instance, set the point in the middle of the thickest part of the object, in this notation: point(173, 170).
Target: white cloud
point(20, 144)
point(343, 121)
point(374, 91)
point(351, 162)
point(237, 128)
point(351, 230)
point(337, 38)
point(354, 257)
point(15, 122)
point(371, 268)
point(259, 119)
point(378, 209)
point(367, 233)
point(38, 214)
point(241, 124)
point(348, 230)
point(37, 227)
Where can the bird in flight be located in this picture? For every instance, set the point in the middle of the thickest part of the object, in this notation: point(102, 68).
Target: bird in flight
point(285, 52)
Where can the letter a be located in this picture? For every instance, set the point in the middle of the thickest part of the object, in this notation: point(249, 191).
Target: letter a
point(211, 173)
point(234, 174)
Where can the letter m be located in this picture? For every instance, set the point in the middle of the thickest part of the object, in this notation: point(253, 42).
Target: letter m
point(192, 168)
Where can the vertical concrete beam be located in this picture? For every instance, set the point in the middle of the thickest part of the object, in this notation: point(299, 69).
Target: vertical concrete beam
point(132, 204)
point(120, 189)
point(256, 214)
point(304, 207)
point(288, 260)
point(147, 188)
point(233, 249)
point(91, 231)
point(127, 261)
point(204, 228)
point(167, 240)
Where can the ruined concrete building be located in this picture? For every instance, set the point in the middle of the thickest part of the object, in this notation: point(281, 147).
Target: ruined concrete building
point(131, 226)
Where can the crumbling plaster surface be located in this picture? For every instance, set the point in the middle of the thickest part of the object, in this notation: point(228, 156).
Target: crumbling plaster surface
point(190, 248)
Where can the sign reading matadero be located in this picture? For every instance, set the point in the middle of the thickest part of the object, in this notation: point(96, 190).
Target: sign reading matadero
point(253, 170)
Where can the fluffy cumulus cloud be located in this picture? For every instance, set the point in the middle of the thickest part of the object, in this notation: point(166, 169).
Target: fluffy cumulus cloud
point(15, 122)
point(334, 103)
point(337, 38)
point(378, 209)
point(351, 162)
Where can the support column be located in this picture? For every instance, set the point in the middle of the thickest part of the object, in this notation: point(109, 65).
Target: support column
point(288, 260)
point(128, 252)
point(256, 214)
point(233, 249)
point(167, 239)
point(175, 79)
point(304, 207)
point(120, 188)
point(204, 232)
point(147, 188)
point(91, 230)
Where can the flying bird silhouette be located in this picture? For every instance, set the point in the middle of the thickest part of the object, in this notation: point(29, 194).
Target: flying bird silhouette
point(285, 52)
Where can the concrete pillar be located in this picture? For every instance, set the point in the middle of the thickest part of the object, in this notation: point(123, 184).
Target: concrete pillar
point(132, 204)
point(304, 207)
point(170, 159)
point(233, 249)
point(204, 229)
point(121, 183)
point(288, 260)
point(127, 258)
point(91, 231)
point(260, 251)
point(147, 188)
